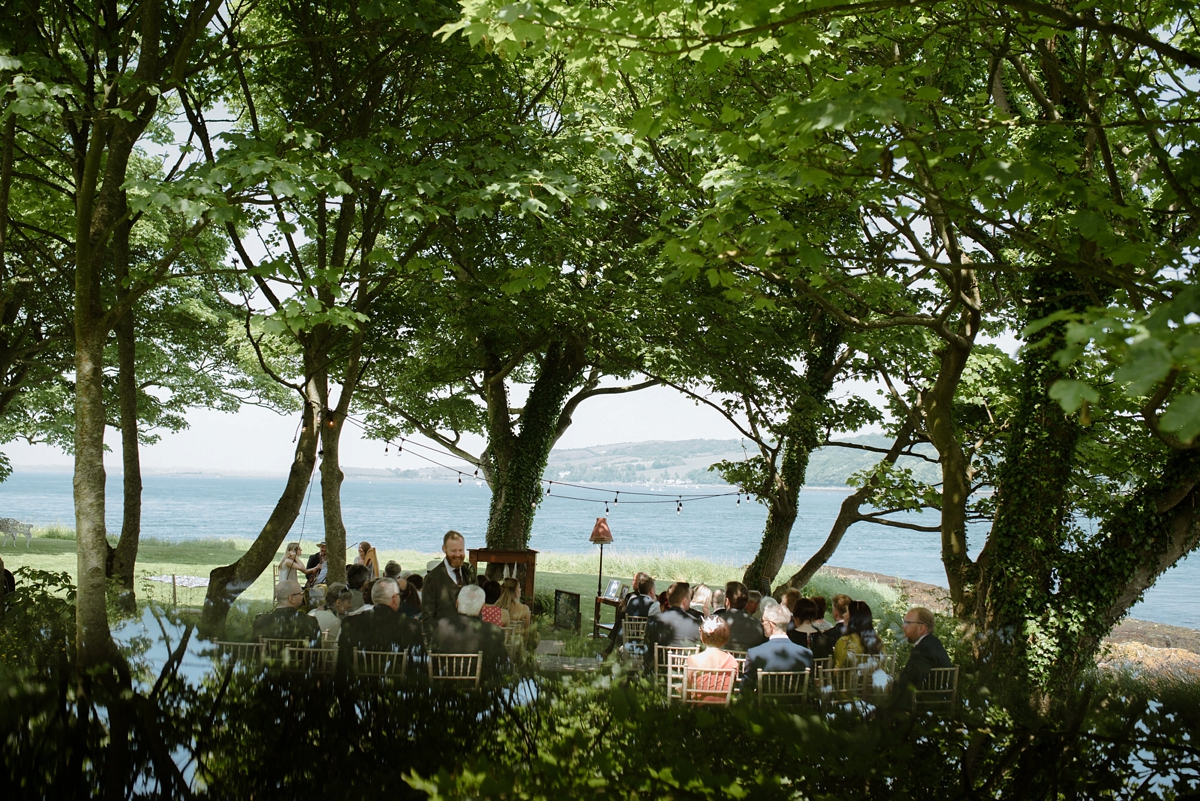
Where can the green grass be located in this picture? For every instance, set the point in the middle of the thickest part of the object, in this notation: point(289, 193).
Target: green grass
point(53, 549)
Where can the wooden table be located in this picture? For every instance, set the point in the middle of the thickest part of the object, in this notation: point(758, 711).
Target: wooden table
point(596, 624)
point(527, 558)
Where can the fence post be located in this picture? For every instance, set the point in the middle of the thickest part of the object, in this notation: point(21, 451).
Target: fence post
point(174, 594)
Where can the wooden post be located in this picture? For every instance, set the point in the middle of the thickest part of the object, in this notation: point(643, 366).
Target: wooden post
point(174, 593)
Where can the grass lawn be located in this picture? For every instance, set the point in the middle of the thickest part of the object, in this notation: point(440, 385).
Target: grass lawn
point(54, 550)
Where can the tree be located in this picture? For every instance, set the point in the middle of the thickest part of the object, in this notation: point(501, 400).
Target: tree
point(1025, 161)
point(136, 53)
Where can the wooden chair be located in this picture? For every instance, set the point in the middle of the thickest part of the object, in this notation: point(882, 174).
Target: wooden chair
point(840, 685)
point(668, 666)
point(884, 662)
point(783, 687)
point(327, 640)
point(824, 663)
point(456, 670)
point(633, 635)
point(740, 656)
point(708, 685)
point(273, 649)
point(309, 661)
point(514, 640)
point(939, 691)
point(241, 653)
point(878, 672)
point(381, 664)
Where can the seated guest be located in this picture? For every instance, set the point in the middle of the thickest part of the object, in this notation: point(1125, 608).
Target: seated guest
point(290, 565)
point(327, 619)
point(803, 628)
point(778, 653)
point(417, 582)
point(927, 653)
point(490, 613)
point(714, 633)
point(366, 597)
point(823, 644)
point(821, 623)
point(841, 613)
point(663, 602)
point(718, 600)
point(702, 600)
point(392, 570)
point(861, 638)
point(744, 631)
point(380, 628)
point(640, 602)
point(410, 599)
point(673, 626)
point(615, 632)
point(287, 621)
point(510, 601)
point(466, 633)
point(788, 599)
point(753, 604)
point(356, 577)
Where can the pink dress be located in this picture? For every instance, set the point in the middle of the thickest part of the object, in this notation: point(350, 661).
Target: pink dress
point(718, 683)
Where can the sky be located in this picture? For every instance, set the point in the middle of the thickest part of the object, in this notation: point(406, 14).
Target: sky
point(260, 441)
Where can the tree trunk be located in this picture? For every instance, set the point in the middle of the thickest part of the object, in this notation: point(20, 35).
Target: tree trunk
point(801, 436)
point(331, 469)
point(226, 583)
point(94, 643)
point(1020, 563)
point(848, 515)
point(121, 559)
point(517, 462)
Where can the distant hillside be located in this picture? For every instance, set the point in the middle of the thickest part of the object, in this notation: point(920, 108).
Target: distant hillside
point(678, 462)
point(687, 461)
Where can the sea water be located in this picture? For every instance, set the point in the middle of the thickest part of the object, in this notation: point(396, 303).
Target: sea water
point(412, 515)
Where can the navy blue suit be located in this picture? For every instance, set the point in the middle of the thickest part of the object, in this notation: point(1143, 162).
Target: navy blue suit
point(777, 654)
point(928, 654)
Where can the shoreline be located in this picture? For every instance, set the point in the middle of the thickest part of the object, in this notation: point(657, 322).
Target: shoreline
point(1158, 640)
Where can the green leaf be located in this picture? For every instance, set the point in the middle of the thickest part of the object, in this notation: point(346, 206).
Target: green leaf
point(1182, 418)
point(1072, 394)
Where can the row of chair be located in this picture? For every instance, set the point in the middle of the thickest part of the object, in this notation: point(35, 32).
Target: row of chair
point(298, 656)
point(867, 677)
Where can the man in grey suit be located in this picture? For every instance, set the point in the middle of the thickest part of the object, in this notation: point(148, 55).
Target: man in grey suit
point(927, 653)
point(439, 597)
point(778, 653)
point(744, 631)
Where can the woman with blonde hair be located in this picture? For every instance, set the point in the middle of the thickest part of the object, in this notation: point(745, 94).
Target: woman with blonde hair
point(510, 601)
point(291, 563)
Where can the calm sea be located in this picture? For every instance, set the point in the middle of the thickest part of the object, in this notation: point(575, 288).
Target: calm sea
point(414, 515)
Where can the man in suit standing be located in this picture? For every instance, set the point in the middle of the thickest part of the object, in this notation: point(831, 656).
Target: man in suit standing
point(466, 633)
point(744, 631)
point(778, 653)
point(439, 598)
point(927, 653)
point(677, 625)
point(380, 628)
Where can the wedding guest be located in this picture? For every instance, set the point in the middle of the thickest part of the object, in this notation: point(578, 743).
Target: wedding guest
point(674, 625)
point(410, 598)
point(392, 570)
point(860, 638)
point(927, 653)
point(803, 626)
point(702, 600)
point(381, 627)
point(287, 621)
point(778, 653)
point(356, 577)
point(744, 631)
point(491, 613)
point(714, 634)
point(753, 604)
point(718, 600)
point(821, 623)
point(320, 597)
point(466, 633)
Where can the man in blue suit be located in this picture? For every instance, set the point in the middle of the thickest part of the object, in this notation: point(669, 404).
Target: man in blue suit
point(927, 653)
point(778, 653)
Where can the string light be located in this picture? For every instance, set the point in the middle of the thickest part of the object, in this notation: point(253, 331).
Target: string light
point(617, 499)
point(739, 500)
point(548, 486)
point(460, 479)
point(606, 507)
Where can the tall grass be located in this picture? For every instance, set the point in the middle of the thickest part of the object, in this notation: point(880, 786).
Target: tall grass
point(56, 531)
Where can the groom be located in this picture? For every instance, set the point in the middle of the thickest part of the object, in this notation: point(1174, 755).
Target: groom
point(439, 598)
